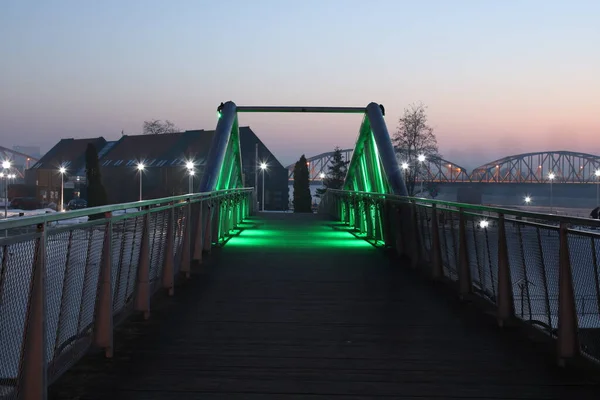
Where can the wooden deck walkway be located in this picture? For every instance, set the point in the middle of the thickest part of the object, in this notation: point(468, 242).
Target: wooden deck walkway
point(294, 309)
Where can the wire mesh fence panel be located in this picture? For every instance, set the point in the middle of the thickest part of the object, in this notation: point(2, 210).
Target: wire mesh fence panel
point(133, 259)
point(179, 231)
point(529, 276)
point(17, 260)
point(584, 267)
point(482, 259)
point(124, 234)
point(155, 232)
point(162, 243)
point(90, 278)
point(548, 239)
point(449, 237)
point(58, 286)
point(424, 222)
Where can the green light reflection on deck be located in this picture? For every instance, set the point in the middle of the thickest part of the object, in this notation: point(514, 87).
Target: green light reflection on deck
point(309, 236)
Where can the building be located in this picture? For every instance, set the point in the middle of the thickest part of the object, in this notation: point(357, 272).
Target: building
point(276, 176)
point(165, 174)
point(45, 175)
point(164, 158)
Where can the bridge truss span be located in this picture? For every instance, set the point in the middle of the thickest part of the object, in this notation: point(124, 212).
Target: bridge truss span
point(540, 167)
point(319, 164)
point(437, 169)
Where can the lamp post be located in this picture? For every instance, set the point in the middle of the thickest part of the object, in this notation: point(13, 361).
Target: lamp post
point(551, 176)
point(421, 159)
point(263, 167)
point(527, 200)
point(140, 168)
point(62, 171)
point(6, 166)
point(597, 173)
point(190, 167)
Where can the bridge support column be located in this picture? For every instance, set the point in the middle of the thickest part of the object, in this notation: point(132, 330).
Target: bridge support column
point(186, 248)
point(437, 269)
point(142, 296)
point(464, 269)
point(198, 236)
point(32, 378)
point(103, 324)
point(168, 272)
point(505, 300)
point(568, 341)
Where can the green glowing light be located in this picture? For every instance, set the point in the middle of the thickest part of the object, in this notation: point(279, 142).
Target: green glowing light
point(317, 235)
point(366, 173)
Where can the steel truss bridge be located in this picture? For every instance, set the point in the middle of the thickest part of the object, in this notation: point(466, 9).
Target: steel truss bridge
point(8, 154)
point(567, 167)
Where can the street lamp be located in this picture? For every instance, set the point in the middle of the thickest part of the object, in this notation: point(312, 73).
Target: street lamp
point(140, 168)
point(527, 200)
point(190, 167)
point(322, 175)
point(6, 164)
point(597, 173)
point(421, 159)
point(263, 167)
point(483, 224)
point(551, 176)
point(62, 171)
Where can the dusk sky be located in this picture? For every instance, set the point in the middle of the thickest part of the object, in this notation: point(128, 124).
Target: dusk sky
point(498, 77)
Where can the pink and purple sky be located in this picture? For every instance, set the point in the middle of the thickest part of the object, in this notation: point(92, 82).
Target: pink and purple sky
point(498, 77)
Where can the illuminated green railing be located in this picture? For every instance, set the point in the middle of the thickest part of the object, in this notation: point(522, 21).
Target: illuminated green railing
point(373, 167)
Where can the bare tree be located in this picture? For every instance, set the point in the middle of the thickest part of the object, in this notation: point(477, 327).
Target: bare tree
point(158, 127)
point(414, 141)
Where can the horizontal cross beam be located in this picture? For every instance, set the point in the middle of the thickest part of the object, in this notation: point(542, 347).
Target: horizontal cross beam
point(296, 109)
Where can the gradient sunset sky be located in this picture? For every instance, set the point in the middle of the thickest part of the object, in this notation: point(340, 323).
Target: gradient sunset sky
point(498, 77)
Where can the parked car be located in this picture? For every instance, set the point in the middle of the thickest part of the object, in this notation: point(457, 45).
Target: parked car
point(76, 204)
point(25, 203)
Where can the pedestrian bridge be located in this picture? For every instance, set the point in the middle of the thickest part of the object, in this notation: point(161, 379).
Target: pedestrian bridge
point(378, 295)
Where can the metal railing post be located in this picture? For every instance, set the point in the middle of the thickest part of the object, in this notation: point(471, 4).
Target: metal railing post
point(103, 324)
point(216, 235)
point(368, 213)
point(416, 237)
point(32, 379)
point(208, 224)
point(142, 296)
point(505, 301)
point(568, 343)
point(387, 223)
point(198, 237)
point(187, 238)
point(437, 270)
point(168, 272)
point(464, 270)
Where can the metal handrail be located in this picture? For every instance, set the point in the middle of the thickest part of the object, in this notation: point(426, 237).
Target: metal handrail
point(24, 221)
point(476, 207)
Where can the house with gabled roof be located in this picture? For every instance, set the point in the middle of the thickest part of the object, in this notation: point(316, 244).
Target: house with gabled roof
point(165, 173)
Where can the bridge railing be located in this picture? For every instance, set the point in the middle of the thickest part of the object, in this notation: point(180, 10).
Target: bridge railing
point(538, 268)
point(67, 281)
